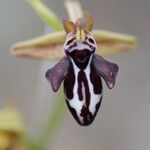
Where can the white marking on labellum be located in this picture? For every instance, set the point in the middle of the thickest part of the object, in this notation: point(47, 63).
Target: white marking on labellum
point(94, 98)
point(75, 102)
point(79, 46)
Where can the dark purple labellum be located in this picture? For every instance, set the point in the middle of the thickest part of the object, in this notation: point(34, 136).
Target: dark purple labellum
point(86, 89)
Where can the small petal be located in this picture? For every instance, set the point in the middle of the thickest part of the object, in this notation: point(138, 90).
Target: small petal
point(68, 26)
point(106, 70)
point(89, 21)
point(57, 74)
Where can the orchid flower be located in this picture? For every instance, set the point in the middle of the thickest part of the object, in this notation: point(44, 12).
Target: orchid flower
point(50, 47)
point(85, 42)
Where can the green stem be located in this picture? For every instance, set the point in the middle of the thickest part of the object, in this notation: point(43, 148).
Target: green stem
point(53, 122)
point(48, 16)
point(30, 144)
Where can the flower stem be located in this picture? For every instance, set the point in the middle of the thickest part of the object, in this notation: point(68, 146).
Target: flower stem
point(46, 14)
point(53, 122)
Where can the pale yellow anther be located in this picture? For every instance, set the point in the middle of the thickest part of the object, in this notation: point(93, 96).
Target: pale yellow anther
point(80, 35)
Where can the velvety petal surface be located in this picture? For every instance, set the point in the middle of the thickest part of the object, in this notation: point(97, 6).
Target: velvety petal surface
point(56, 74)
point(107, 70)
